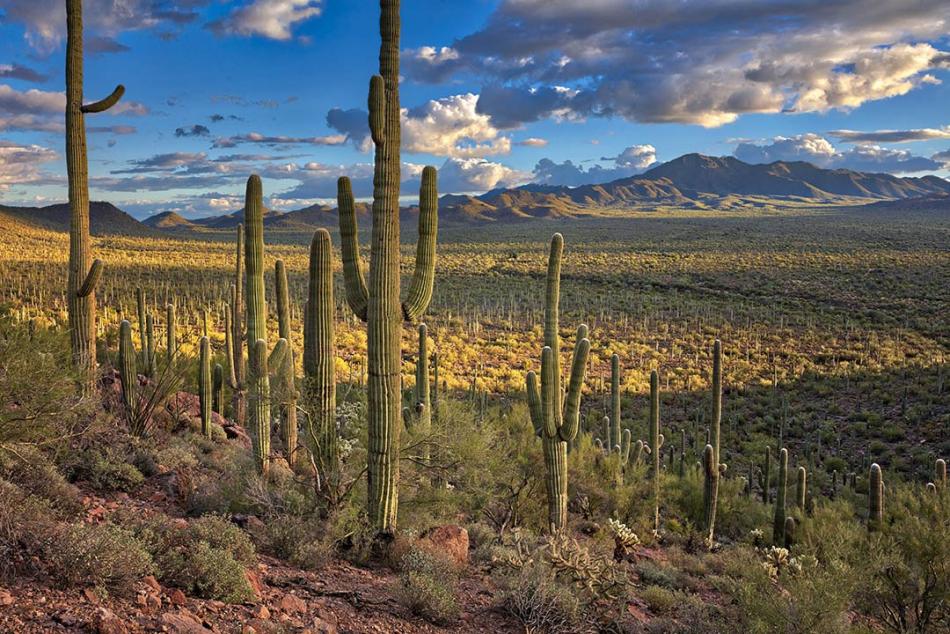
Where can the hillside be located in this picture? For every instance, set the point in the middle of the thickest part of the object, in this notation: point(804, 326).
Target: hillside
point(104, 219)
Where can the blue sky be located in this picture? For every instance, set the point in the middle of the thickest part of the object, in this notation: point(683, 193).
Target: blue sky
point(497, 92)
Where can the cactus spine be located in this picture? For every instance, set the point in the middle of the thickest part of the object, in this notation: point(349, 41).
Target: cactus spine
point(84, 272)
point(778, 523)
point(256, 309)
point(875, 499)
point(128, 376)
point(801, 489)
point(204, 385)
point(556, 425)
point(319, 356)
point(379, 302)
point(286, 379)
point(656, 443)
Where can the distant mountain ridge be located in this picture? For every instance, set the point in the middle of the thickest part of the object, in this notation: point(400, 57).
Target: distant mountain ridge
point(692, 181)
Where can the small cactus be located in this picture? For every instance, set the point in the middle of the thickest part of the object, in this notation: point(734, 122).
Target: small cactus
point(710, 492)
point(128, 375)
point(940, 474)
point(801, 489)
point(286, 373)
point(615, 422)
point(217, 389)
point(789, 532)
point(875, 499)
point(171, 339)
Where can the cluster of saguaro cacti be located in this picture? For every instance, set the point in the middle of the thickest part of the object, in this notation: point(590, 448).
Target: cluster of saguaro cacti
point(555, 416)
point(286, 374)
point(875, 499)
point(778, 523)
point(379, 303)
point(84, 272)
point(713, 468)
point(319, 354)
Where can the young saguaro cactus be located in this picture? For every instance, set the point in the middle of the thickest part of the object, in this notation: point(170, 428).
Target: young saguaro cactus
point(801, 489)
point(238, 369)
point(420, 416)
point(171, 338)
point(217, 389)
point(710, 492)
point(940, 474)
point(379, 304)
point(656, 443)
point(204, 385)
point(614, 422)
point(875, 499)
point(778, 523)
point(128, 375)
point(319, 356)
point(286, 373)
point(84, 272)
point(556, 418)
point(766, 477)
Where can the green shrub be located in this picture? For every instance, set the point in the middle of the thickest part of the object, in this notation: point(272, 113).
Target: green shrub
point(660, 600)
point(25, 522)
point(298, 541)
point(429, 585)
point(536, 598)
point(29, 468)
point(103, 555)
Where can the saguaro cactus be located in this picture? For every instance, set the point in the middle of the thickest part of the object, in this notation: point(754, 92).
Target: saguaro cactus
point(940, 474)
point(204, 385)
point(778, 523)
point(801, 489)
point(286, 379)
point(256, 311)
point(171, 338)
point(319, 356)
point(710, 492)
point(128, 375)
point(766, 478)
point(421, 414)
point(656, 443)
point(379, 303)
point(84, 272)
point(875, 499)
point(714, 468)
point(614, 423)
point(238, 371)
point(217, 389)
point(556, 419)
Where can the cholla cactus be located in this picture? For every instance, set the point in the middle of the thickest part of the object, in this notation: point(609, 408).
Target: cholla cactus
point(777, 559)
point(625, 540)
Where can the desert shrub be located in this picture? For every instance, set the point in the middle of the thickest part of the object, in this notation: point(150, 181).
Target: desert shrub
point(657, 575)
point(660, 600)
point(29, 468)
point(428, 585)
point(736, 514)
point(536, 598)
point(103, 555)
point(25, 521)
point(206, 557)
point(297, 540)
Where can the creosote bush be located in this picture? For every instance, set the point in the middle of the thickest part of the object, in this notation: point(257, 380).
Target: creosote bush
point(429, 585)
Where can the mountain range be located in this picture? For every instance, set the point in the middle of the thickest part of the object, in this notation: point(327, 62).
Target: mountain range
point(692, 181)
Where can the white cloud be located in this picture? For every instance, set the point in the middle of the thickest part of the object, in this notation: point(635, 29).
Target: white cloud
point(20, 165)
point(461, 175)
point(257, 137)
point(272, 19)
point(632, 161)
point(533, 142)
point(891, 136)
point(451, 126)
point(816, 149)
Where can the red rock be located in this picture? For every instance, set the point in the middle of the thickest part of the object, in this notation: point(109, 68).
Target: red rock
point(91, 596)
point(106, 622)
point(450, 540)
point(5, 597)
point(261, 613)
point(177, 597)
point(182, 622)
point(293, 604)
point(321, 626)
point(254, 580)
point(152, 583)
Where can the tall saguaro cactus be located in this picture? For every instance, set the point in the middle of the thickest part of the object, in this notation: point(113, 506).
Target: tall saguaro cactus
point(781, 485)
point(238, 378)
point(556, 415)
point(205, 385)
point(379, 303)
point(286, 373)
point(128, 375)
point(256, 312)
point(319, 357)
point(84, 272)
point(613, 433)
point(656, 443)
point(714, 468)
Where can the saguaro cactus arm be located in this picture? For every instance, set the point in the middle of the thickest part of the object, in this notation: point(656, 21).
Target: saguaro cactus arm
point(572, 405)
point(357, 296)
point(104, 104)
point(423, 278)
point(92, 279)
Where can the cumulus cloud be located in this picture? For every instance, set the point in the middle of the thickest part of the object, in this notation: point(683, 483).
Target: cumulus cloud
point(816, 149)
point(465, 175)
point(256, 137)
point(20, 165)
point(451, 126)
point(632, 161)
point(533, 142)
point(891, 136)
point(704, 62)
point(272, 19)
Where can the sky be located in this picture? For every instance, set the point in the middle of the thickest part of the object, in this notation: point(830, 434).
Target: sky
point(496, 93)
